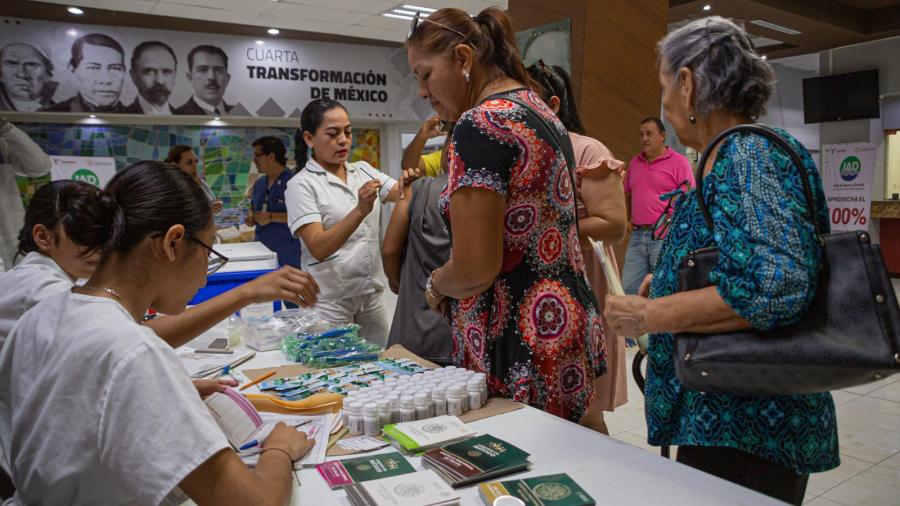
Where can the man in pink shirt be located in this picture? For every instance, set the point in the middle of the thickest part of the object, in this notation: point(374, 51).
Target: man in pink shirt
point(655, 171)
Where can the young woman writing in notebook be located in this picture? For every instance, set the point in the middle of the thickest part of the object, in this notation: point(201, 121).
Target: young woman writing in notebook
point(95, 408)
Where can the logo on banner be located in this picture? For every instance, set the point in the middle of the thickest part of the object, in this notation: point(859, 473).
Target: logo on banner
point(86, 176)
point(850, 168)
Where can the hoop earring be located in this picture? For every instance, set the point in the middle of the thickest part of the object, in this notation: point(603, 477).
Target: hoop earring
point(692, 119)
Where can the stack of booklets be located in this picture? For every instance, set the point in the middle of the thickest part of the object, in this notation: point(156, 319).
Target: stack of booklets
point(423, 435)
point(551, 490)
point(476, 459)
point(424, 488)
point(340, 473)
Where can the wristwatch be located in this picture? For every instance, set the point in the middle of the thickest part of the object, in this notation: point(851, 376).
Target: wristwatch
point(429, 287)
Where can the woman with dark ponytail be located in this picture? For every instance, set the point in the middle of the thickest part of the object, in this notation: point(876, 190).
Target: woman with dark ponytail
point(600, 201)
point(127, 424)
point(514, 288)
point(57, 246)
point(334, 207)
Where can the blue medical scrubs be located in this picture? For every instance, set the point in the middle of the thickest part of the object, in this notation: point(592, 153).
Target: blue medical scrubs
point(276, 236)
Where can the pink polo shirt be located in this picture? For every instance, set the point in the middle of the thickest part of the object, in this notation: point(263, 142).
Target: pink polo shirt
point(647, 181)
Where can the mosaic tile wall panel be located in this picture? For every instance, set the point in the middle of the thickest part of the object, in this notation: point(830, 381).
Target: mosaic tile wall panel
point(225, 151)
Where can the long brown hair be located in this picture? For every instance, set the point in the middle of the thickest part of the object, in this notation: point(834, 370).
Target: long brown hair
point(489, 34)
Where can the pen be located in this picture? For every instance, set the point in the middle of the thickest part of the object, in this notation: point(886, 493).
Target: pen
point(262, 439)
point(226, 370)
point(258, 380)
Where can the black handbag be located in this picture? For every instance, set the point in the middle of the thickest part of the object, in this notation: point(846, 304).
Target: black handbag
point(849, 336)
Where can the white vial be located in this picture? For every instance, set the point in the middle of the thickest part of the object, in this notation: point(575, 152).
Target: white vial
point(428, 374)
point(394, 399)
point(384, 411)
point(371, 419)
point(450, 369)
point(407, 409)
point(417, 376)
point(482, 382)
point(439, 401)
point(376, 384)
point(454, 401)
point(355, 425)
point(424, 409)
point(460, 388)
point(390, 382)
point(473, 388)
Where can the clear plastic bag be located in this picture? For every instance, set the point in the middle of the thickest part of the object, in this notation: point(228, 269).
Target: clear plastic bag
point(266, 333)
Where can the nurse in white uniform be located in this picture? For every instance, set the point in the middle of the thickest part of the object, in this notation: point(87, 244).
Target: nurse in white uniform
point(94, 407)
point(63, 218)
point(334, 207)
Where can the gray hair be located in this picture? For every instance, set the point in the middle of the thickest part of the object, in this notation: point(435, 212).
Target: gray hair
point(728, 73)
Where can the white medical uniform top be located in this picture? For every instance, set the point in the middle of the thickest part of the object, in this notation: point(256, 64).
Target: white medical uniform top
point(96, 409)
point(32, 280)
point(316, 195)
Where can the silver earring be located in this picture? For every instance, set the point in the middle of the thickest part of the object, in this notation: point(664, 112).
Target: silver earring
point(693, 119)
point(466, 74)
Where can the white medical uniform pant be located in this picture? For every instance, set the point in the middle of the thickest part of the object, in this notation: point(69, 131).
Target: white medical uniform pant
point(368, 311)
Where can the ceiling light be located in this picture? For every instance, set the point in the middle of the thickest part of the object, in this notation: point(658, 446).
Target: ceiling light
point(93, 116)
point(396, 16)
point(403, 12)
point(423, 10)
point(707, 7)
point(273, 31)
point(773, 26)
point(75, 10)
point(260, 42)
point(72, 32)
point(763, 57)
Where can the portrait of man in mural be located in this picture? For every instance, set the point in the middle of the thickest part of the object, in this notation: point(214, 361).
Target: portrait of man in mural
point(208, 74)
point(153, 65)
point(98, 63)
point(26, 74)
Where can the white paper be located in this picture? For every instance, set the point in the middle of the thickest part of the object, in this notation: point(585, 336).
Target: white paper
point(200, 365)
point(316, 427)
point(362, 443)
point(613, 282)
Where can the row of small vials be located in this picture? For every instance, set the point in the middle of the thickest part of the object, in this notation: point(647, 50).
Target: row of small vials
point(446, 391)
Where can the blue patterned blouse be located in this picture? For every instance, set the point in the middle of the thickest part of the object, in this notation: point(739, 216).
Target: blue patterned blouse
point(768, 266)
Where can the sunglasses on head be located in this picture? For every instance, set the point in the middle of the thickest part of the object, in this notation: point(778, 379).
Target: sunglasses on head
point(417, 18)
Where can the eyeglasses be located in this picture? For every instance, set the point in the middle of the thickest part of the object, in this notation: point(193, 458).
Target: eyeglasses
point(418, 17)
point(665, 219)
point(216, 260)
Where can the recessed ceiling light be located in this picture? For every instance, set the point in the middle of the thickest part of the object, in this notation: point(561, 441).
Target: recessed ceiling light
point(763, 57)
point(273, 31)
point(404, 12)
point(93, 115)
point(707, 7)
point(396, 16)
point(215, 118)
point(773, 26)
point(260, 42)
point(75, 10)
point(72, 32)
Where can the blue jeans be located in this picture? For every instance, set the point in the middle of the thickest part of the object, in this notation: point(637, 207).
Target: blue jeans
point(640, 258)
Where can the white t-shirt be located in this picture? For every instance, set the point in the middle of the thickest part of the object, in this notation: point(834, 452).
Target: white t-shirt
point(315, 195)
point(34, 279)
point(96, 409)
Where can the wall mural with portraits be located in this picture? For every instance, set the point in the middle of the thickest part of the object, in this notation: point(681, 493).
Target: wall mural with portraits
point(60, 67)
point(225, 152)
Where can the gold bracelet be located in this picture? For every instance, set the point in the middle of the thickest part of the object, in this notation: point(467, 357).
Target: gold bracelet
point(278, 449)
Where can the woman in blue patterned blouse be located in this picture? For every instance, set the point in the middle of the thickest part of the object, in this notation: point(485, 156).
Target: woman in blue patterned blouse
point(712, 79)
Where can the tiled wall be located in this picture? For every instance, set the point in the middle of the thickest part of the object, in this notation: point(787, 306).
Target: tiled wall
point(225, 152)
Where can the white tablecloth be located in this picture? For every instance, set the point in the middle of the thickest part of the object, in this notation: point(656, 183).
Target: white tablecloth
point(613, 472)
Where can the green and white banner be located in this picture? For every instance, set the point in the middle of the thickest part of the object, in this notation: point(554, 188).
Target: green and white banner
point(96, 170)
point(847, 174)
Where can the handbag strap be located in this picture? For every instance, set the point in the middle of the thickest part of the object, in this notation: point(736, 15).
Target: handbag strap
point(772, 135)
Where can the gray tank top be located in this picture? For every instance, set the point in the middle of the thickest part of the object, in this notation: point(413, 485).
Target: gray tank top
point(417, 328)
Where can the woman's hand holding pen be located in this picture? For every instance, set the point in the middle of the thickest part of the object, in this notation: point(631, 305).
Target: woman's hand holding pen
point(288, 440)
point(366, 196)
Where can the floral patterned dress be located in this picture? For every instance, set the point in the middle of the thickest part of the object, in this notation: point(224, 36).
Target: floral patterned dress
point(767, 273)
point(536, 332)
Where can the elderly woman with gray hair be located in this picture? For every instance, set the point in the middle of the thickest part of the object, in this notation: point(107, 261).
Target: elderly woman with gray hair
point(769, 260)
